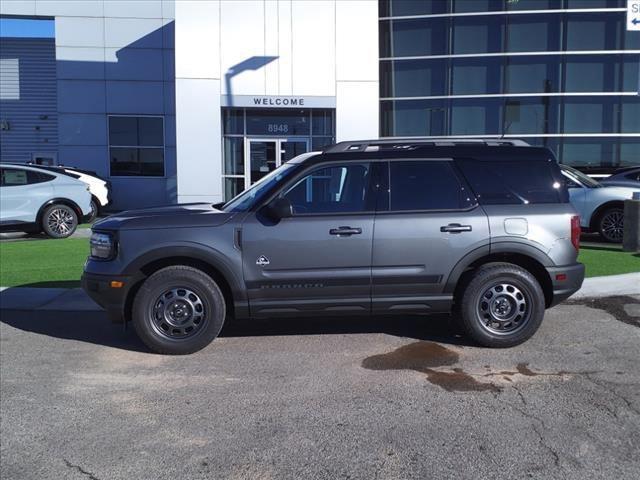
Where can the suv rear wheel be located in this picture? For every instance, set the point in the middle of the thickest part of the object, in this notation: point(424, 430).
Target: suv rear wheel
point(178, 310)
point(502, 305)
point(59, 221)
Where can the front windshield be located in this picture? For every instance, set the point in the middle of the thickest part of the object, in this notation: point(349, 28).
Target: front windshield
point(244, 200)
point(585, 180)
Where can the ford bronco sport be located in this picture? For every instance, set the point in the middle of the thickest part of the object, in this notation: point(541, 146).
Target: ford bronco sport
point(481, 228)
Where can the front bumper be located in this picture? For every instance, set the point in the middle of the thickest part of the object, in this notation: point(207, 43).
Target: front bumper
point(113, 300)
point(566, 281)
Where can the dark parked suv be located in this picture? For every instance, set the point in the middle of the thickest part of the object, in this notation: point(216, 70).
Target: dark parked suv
point(483, 228)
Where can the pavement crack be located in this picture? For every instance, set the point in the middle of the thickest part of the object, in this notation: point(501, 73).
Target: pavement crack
point(80, 469)
point(613, 392)
point(539, 426)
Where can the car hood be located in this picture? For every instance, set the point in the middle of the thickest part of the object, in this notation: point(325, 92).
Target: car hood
point(172, 216)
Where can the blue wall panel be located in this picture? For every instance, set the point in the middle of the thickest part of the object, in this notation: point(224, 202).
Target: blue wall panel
point(32, 119)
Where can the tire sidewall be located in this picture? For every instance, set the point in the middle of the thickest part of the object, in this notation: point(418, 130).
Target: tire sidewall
point(45, 222)
point(94, 211)
point(159, 283)
point(484, 280)
point(600, 228)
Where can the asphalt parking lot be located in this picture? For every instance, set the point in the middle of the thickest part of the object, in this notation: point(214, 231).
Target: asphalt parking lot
point(345, 398)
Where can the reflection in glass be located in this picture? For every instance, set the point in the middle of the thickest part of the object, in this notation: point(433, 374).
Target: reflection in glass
point(531, 75)
point(476, 117)
point(414, 37)
point(478, 34)
point(233, 156)
point(476, 76)
point(233, 121)
point(262, 158)
point(413, 78)
point(593, 32)
point(232, 187)
point(533, 33)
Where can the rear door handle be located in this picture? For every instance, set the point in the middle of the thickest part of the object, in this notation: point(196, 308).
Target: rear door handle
point(345, 231)
point(455, 228)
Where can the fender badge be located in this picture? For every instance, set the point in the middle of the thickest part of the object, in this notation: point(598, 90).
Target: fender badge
point(262, 261)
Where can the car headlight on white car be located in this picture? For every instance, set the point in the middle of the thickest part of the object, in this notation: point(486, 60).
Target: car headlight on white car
point(103, 245)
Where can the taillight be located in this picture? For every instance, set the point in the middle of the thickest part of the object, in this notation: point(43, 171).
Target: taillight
point(575, 231)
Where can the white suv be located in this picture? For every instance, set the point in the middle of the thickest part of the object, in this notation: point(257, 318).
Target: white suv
point(35, 200)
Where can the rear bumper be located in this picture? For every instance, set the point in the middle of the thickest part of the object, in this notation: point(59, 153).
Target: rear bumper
point(566, 281)
point(113, 300)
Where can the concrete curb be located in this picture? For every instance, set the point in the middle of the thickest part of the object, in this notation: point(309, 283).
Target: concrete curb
point(609, 286)
point(74, 299)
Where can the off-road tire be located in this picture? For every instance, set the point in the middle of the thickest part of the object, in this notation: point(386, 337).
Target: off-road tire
point(154, 315)
point(480, 315)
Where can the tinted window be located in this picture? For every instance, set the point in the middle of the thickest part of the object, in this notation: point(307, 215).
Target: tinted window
point(401, 38)
point(531, 74)
point(476, 75)
point(478, 35)
point(335, 189)
point(12, 177)
point(533, 33)
point(136, 146)
point(426, 185)
point(515, 182)
point(633, 176)
point(413, 78)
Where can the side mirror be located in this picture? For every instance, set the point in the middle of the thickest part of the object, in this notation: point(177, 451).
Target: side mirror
point(280, 208)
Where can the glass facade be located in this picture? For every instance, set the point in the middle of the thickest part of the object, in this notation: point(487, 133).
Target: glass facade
point(257, 140)
point(558, 73)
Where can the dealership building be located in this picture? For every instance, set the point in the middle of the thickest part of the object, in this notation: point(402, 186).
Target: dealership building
point(195, 100)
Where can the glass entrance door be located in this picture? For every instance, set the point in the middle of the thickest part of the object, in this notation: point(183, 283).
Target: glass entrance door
point(263, 155)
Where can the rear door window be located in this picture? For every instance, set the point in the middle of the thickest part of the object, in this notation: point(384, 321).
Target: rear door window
point(515, 182)
point(426, 185)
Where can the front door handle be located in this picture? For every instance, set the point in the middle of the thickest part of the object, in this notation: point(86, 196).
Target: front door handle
point(455, 228)
point(345, 231)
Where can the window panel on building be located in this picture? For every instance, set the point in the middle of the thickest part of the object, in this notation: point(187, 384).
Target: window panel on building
point(630, 73)
point(278, 122)
point(471, 76)
point(390, 8)
point(136, 146)
point(416, 37)
point(233, 155)
point(413, 78)
point(537, 115)
point(533, 33)
point(591, 73)
point(596, 3)
point(629, 151)
point(533, 4)
point(589, 115)
point(589, 152)
point(233, 121)
point(476, 116)
point(464, 6)
point(478, 34)
point(588, 31)
point(413, 118)
point(534, 74)
point(630, 116)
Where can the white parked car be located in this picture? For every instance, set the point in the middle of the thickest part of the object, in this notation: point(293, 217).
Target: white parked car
point(99, 188)
point(35, 200)
point(601, 208)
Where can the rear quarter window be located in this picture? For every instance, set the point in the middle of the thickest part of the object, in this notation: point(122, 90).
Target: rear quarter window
point(515, 182)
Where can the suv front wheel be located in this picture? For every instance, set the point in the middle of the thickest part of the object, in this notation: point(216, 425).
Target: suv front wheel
point(502, 305)
point(178, 310)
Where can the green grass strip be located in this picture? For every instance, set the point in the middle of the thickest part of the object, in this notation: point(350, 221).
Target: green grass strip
point(43, 263)
point(602, 261)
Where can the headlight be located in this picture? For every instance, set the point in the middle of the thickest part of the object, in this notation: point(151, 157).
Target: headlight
point(102, 245)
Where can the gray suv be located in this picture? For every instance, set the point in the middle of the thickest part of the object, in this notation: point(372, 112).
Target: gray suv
point(483, 229)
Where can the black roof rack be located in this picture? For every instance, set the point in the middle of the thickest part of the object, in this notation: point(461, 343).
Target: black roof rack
point(412, 143)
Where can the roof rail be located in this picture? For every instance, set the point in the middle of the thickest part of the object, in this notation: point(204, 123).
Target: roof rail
point(412, 143)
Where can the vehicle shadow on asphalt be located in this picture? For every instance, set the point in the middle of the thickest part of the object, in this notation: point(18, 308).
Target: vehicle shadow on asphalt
point(94, 327)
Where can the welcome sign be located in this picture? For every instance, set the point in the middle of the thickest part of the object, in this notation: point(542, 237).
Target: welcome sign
point(277, 101)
